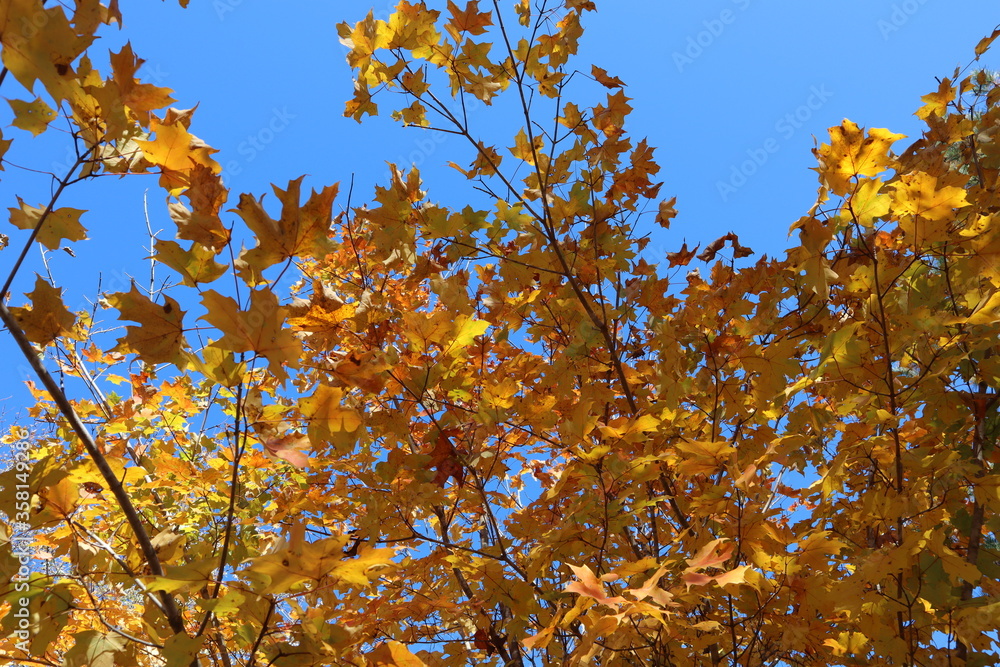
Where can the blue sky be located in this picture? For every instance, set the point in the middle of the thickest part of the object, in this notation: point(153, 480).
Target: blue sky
point(733, 93)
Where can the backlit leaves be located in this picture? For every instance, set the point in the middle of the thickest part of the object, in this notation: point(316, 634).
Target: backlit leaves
point(301, 231)
point(329, 419)
point(159, 336)
point(497, 433)
point(852, 153)
point(46, 318)
point(32, 116)
point(259, 329)
point(196, 265)
point(176, 152)
point(53, 226)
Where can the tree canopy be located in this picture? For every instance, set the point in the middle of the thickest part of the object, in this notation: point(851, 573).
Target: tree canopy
point(499, 434)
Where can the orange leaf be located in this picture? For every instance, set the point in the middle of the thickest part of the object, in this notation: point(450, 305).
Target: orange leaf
point(590, 586)
point(470, 20)
point(602, 78)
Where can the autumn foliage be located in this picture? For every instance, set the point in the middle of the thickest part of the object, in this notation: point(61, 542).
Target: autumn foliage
point(502, 434)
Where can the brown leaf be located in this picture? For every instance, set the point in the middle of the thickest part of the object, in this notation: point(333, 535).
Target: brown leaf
point(682, 257)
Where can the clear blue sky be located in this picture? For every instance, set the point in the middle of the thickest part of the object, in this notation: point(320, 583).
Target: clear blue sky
point(714, 85)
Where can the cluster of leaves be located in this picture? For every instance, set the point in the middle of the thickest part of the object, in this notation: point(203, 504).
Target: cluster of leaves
point(502, 436)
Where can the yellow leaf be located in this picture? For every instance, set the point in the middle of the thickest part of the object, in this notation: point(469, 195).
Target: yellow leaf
point(40, 44)
point(866, 203)
point(184, 577)
point(393, 654)
point(734, 576)
point(301, 231)
point(841, 350)
point(140, 98)
point(919, 195)
point(196, 265)
point(176, 152)
point(589, 585)
point(707, 626)
point(712, 554)
point(985, 43)
point(258, 329)
point(32, 116)
point(470, 20)
point(61, 223)
point(703, 458)
point(666, 213)
point(323, 313)
point(847, 643)
point(523, 149)
point(937, 103)
point(328, 417)
point(987, 312)
point(159, 338)
point(47, 318)
point(850, 153)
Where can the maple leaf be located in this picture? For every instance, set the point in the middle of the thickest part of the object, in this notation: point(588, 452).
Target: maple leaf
point(288, 448)
point(59, 224)
point(711, 554)
point(140, 98)
point(937, 103)
point(302, 230)
point(446, 460)
point(985, 43)
point(196, 265)
point(201, 222)
point(329, 420)
point(845, 385)
point(610, 118)
point(258, 329)
point(666, 212)
point(708, 254)
point(393, 654)
point(47, 318)
point(602, 78)
point(299, 562)
point(470, 20)
point(43, 53)
point(683, 256)
point(928, 206)
point(159, 338)
point(651, 589)
point(589, 585)
point(322, 314)
point(176, 152)
point(850, 153)
point(32, 116)
point(867, 204)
